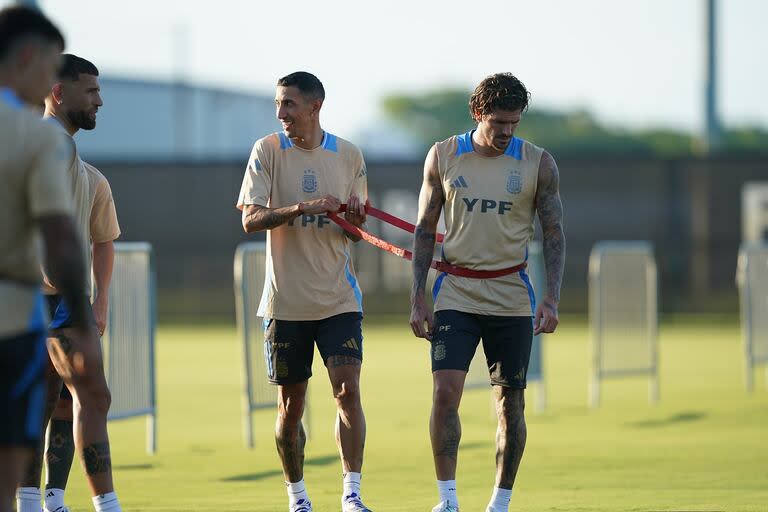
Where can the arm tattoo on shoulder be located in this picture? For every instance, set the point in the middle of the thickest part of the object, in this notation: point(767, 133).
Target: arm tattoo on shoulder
point(550, 210)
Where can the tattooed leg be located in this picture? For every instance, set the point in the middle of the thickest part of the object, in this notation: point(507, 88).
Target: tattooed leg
point(444, 424)
point(510, 435)
point(290, 437)
point(60, 447)
point(344, 372)
point(33, 474)
point(78, 360)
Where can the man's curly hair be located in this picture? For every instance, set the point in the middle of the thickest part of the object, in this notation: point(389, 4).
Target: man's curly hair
point(502, 91)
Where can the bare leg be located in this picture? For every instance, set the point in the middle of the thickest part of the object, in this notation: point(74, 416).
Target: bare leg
point(34, 469)
point(344, 373)
point(510, 435)
point(78, 359)
point(59, 446)
point(444, 424)
point(289, 432)
point(13, 462)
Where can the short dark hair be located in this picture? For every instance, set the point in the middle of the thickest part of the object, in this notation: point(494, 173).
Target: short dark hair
point(72, 66)
point(502, 91)
point(18, 23)
point(307, 83)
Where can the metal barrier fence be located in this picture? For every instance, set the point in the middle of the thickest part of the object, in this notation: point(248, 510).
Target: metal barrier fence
point(258, 393)
point(129, 341)
point(623, 314)
point(752, 279)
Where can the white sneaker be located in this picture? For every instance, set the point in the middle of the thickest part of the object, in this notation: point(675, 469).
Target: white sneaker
point(301, 506)
point(353, 503)
point(60, 509)
point(445, 506)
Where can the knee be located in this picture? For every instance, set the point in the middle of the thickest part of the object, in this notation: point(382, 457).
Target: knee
point(510, 406)
point(93, 395)
point(347, 395)
point(289, 412)
point(446, 396)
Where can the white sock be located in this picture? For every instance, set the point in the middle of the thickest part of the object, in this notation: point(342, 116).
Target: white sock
point(352, 483)
point(28, 499)
point(447, 490)
point(500, 499)
point(106, 502)
point(54, 499)
point(297, 491)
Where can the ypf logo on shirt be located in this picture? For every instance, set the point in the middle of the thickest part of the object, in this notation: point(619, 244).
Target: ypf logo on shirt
point(309, 182)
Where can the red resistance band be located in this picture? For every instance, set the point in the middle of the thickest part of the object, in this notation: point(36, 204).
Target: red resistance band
point(440, 266)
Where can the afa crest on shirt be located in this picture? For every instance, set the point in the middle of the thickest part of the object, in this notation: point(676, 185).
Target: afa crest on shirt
point(309, 182)
point(514, 182)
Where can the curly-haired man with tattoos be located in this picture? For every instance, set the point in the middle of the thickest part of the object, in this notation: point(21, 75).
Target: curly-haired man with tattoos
point(490, 185)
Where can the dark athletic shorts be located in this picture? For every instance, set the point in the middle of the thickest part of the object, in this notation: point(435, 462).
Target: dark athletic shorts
point(61, 318)
point(289, 345)
point(23, 362)
point(506, 343)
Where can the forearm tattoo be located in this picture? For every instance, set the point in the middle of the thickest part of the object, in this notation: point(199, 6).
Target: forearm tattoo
point(96, 458)
point(261, 218)
point(424, 248)
point(550, 210)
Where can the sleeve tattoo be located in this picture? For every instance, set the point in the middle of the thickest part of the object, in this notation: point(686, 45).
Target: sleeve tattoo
point(550, 210)
point(431, 200)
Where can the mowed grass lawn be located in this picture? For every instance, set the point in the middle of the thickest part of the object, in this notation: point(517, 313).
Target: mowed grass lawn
point(703, 448)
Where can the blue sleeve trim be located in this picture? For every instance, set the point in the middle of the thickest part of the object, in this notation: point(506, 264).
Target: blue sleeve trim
point(330, 143)
point(515, 148)
point(464, 143)
point(9, 97)
point(285, 142)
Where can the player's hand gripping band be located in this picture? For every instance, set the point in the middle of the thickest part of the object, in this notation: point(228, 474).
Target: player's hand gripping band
point(440, 266)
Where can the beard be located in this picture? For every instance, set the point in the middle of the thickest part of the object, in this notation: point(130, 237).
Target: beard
point(81, 120)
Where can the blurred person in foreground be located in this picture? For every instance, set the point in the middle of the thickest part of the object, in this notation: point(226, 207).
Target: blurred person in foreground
point(35, 201)
point(490, 185)
point(311, 294)
point(71, 105)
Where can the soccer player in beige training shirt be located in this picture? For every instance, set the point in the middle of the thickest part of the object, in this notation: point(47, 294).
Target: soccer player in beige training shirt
point(311, 294)
point(34, 200)
point(489, 184)
point(72, 105)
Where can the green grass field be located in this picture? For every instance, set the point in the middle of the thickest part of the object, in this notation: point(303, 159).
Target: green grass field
point(703, 448)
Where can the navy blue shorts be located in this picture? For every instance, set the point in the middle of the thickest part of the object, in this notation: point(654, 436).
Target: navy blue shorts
point(23, 363)
point(59, 312)
point(506, 342)
point(289, 345)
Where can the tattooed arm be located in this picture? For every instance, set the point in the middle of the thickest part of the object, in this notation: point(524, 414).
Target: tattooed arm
point(431, 199)
point(550, 211)
point(260, 218)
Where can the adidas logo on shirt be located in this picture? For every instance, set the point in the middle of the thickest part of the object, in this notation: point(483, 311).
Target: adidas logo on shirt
point(459, 182)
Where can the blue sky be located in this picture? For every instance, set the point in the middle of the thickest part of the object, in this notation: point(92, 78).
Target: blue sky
point(631, 63)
